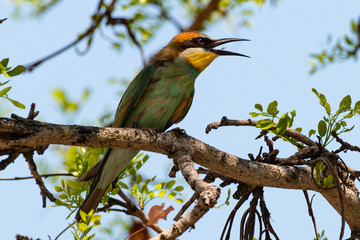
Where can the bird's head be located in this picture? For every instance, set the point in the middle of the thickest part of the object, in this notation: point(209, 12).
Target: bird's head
point(196, 48)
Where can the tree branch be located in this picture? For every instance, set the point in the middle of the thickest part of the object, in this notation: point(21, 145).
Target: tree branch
point(27, 135)
point(204, 15)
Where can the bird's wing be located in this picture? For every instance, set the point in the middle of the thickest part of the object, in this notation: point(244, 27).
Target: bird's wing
point(115, 166)
point(132, 95)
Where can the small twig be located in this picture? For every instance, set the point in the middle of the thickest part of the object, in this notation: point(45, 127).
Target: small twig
point(57, 237)
point(299, 157)
point(2, 20)
point(165, 15)
point(138, 213)
point(42, 176)
point(344, 145)
point(186, 206)
point(311, 213)
point(126, 23)
point(45, 193)
point(32, 114)
point(10, 159)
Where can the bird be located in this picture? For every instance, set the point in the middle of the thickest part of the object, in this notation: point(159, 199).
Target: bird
point(158, 97)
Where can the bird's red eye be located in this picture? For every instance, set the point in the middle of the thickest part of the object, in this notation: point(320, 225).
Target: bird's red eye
point(200, 41)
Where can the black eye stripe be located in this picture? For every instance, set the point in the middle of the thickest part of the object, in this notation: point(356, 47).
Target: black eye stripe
point(197, 42)
point(202, 40)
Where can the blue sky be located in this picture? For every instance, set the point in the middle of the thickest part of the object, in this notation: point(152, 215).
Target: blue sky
point(282, 38)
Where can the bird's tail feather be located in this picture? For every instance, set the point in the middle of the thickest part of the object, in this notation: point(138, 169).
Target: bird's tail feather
point(91, 201)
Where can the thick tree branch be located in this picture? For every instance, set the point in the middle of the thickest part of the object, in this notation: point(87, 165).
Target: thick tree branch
point(28, 135)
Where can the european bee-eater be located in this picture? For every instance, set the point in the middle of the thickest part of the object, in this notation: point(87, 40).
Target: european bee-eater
point(159, 96)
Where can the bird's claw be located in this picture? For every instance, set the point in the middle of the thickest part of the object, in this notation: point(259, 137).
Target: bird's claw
point(178, 131)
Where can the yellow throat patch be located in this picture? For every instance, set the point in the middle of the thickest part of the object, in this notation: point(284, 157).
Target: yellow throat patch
point(198, 57)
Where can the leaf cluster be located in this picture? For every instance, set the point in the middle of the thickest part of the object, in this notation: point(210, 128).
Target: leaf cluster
point(326, 181)
point(82, 228)
point(331, 123)
point(66, 104)
point(283, 122)
point(335, 122)
point(10, 72)
point(343, 49)
point(146, 189)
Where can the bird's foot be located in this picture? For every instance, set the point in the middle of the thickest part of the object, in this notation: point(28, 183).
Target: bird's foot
point(151, 131)
point(178, 131)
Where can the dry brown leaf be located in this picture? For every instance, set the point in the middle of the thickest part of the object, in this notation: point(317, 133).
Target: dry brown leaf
point(156, 212)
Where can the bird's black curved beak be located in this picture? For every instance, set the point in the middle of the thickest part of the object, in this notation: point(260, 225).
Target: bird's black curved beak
point(222, 41)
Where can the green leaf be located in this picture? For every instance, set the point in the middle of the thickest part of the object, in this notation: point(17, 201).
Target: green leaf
point(171, 195)
point(9, 81)
point(4, 91)
point(357, 106)
point(254, 114)
point(16, 71)
point(159, 186)
point(138, 178)
point(265, 124)
point(282, 124)
point(328, 181)
point(322, 128)
point(152, 194)
point(345, 103)
point(337, 127)
point(314, 91)
point(82, 226)
point(299, 129)
point(170, 184)
point(258, 107)
point(323, 100)
point(350, 115)
point(327, 108)
point(123, 185)
point(179, 188)
point(63, 196)
point(60, 203)
point(4, 62)
point(162, 193)
point(179, 200)
point(349, 129)
point(272, 108)
point(17, 104)
point(58, 189)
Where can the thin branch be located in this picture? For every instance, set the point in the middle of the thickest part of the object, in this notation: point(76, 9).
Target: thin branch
point(126, 23)
point(45, 193)
point(42, 176)
point(186, 206)
point(88, 33)
point(311, 213)
point(289, 132)
point(344, 145)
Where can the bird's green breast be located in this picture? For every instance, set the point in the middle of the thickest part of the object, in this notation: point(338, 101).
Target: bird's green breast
point(167, 97)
